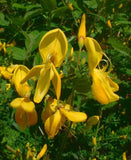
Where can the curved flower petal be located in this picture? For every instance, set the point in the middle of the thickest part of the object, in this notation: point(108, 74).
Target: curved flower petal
point(102, 89)
point(53, 124)
point(25, 119)
point(56, 82)
point(82, 31)
point(16, 102)
point(94, 52)
point(11, 68)
point(27, 105)
point(43, 84)
point(42, 152)
point(93, 120)
point(35, 71)
point(113, 85)
point(19, 73)
point(6, 74)
point(53, 46)
point(46, 113)
point(32, 118)
point(20, 118)
point(74, 116)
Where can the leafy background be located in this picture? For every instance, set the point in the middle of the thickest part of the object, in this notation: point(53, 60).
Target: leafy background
point(25, 22)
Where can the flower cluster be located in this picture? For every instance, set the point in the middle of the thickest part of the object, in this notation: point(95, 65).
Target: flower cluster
point(53, 50)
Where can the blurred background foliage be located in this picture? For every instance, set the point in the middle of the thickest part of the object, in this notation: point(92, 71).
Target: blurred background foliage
point(23, 23)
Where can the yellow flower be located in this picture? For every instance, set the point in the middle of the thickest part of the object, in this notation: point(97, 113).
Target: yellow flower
point(2, 68)
point(124, 137)
point(71, 7)
point(30, 154)
point(11, 44)
point(4, 45)
point(55, 114)
point(109, 24)
point(93, 120)
point(82, 31)
point(47, 73)
point(71, 54)
point(124, 156)
point(19, 73)
point(113, 10)
point(94, 141)
point(8, 85)
point(94, 52)
point(26, 114)
point(103, 87)
point(121, 5)
point(42, 152)
point(53, 49)
point(7, 73)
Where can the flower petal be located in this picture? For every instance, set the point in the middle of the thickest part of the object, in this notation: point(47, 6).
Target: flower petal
point(101, 88)
point(113, 85)
point(42, 152)
point(94, 52)
point(32, 117)
point(21, 119)
point(35, 71)
point(16, 102)
point(82, 31)
point(93, 120)
point(56, 82)
point(53, 124)
point(27, 105)
point(25, 119)
point(46, 113)
point(74, 116)
point(19, 73)
point(6, 74)
point(53, 46)
point(43, 84)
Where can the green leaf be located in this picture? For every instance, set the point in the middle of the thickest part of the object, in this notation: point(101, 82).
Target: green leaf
point(128, 72)
point(98, 16)
point(18, 20)
point(33, 39)
point(18, 6)
point(91, 4)
point(122, 22)
point(18, 53)
point(32, 7)
point(48, 4)
point(3, 1)
point(116, 44)
point(3, 22)
point(61, 11)
point(37, 60)
point(32, 14)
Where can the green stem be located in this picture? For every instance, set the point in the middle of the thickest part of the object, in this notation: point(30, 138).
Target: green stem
point(79, 57)
point(63, 143)
point(94, 149)
point(10, 149)
point(98, 125)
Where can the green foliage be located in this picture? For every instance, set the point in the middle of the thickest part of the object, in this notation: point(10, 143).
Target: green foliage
point(25, 22)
